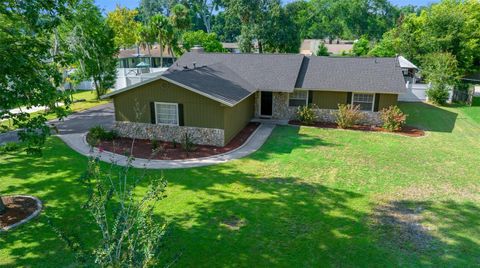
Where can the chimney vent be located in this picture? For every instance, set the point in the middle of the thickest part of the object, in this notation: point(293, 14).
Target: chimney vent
point(197, 49)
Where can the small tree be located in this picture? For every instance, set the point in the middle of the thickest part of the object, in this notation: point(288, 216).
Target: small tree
point(322, 50)
point(131, 236)
point(441, 70)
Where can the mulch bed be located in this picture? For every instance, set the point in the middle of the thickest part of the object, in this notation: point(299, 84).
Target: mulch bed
point(144, 148)
point(18, 209)
point(406, 130)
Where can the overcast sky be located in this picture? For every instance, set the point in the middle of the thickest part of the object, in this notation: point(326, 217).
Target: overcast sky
point(109, 5)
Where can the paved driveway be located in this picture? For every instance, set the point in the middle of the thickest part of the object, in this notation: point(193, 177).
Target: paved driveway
point(76, 123)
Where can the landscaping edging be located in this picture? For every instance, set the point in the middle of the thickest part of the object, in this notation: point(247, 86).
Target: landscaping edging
point(253, 143)
point(27, 219)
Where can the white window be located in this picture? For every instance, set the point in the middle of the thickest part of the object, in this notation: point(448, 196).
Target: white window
point(167, 113)
point(298, 98)
point(365, 101)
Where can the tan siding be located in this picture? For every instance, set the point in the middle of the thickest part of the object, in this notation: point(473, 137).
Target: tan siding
point(199, 111)
point(328, 99)
point(387, 100)
point(237, 117)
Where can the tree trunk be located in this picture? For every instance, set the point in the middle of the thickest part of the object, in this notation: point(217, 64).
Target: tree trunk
point(3, 208)
point(260, 47)
point(160, 45)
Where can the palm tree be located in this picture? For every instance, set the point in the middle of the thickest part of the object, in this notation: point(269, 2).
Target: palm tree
point(161, 25)
point(145, 40)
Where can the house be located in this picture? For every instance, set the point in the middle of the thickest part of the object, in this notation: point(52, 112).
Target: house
point(212, 96)
point(309, 47)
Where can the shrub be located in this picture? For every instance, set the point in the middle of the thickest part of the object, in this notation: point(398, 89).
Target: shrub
point(98, 133)
point(438, 95)
point(187, 144)
point(348, 115)
point(306, 114)
point(393, 119)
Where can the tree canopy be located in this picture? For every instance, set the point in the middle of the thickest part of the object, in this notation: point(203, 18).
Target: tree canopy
point(209, 41)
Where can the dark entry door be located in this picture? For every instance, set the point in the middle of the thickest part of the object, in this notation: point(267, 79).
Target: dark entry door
point(266, 105)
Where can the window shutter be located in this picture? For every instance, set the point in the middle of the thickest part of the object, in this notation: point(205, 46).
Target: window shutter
point(310, 97)
point(349, 98)
point(180, 115)
point(153, 120)
point(377, 102)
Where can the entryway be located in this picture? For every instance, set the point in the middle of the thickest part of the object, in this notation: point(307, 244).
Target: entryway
point(266, 104)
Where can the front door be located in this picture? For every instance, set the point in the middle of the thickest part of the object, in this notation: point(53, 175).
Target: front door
point(266, 104)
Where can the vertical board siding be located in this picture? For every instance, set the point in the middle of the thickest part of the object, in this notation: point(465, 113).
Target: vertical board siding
point(329, 99)
point(237, 117)
point(387, 100)
point(199, 111)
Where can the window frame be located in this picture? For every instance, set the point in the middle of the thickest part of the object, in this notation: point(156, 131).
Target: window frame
point(364, 93)
point(306, 99)
point(156, 114)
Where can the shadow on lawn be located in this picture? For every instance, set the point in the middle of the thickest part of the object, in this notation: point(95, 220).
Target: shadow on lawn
point(285, 139)
point(438, 234)
point(429, 117)
point(35, 243)
point(284, 222)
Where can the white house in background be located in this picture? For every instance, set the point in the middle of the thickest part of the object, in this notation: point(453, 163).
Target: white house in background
point(417, 91)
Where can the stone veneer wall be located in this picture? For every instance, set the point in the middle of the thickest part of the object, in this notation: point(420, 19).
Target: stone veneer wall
point(279, 105)
point(281, 110)
point(328, 116)
point(200, 136)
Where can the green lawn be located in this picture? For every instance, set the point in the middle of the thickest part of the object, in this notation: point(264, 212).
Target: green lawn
point(89, 100)
point(309, 198)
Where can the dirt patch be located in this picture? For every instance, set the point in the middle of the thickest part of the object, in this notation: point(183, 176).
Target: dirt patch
point(233, 223)
point(169, 151)
point(444, 191)
point(406, 130)
point(18, 209)
point(401, 226)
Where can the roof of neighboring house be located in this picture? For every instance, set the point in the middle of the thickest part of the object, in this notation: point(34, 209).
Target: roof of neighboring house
point(134, 52)
point(230, 45)
point(269, 72)
point(229, 78)
point(310, 46)
point(378, 75)
point(404, 63)
point(216, 81)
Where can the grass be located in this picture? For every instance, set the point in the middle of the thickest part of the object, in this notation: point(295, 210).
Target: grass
point(310, 197)
point(89, 100)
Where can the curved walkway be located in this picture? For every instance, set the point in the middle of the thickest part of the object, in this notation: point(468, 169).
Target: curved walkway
point(78, 142)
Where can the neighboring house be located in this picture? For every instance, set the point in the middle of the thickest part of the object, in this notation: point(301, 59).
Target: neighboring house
point(231, 47)
point(212, 96)
point(309, 47)
point(416, 89)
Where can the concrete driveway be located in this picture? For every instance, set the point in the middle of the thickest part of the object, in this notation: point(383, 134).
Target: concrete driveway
point(75, 123)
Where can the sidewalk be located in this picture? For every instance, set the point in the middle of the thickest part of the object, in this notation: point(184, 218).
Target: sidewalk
point(78, 142)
